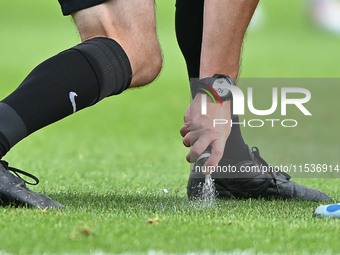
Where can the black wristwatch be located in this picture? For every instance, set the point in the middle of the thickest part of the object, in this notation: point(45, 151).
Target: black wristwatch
point(216, 86)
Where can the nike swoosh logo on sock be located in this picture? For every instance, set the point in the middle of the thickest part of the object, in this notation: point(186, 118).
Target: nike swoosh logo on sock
point(72, 95)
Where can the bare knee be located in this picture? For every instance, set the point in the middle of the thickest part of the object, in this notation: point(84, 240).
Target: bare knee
point(144, 54)
point(132, 24)
point(147, 64)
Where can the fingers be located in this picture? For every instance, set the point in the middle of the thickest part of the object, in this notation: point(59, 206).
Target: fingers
point(185, 129)
point(186, 140)
point(190, 138)
point(217, 150)
point(199, 132)
point(197, 148)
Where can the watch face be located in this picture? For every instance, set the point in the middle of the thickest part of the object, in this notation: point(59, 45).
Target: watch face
point(220, 85)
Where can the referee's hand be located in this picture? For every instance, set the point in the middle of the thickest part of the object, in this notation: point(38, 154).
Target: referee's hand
point(201, 131)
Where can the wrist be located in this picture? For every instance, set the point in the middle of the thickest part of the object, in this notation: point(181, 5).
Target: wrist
point(233, 72)
point(218, 87)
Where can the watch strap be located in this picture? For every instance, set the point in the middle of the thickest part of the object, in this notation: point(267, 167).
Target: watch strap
point(201, 86)
point(205, 86)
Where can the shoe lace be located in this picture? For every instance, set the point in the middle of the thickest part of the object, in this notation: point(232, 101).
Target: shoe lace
point(256, 153)
point(17, 172)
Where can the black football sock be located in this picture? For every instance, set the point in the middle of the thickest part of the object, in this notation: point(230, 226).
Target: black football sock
point(235, 149)
point(4, 145)
point(68, 82)
point(189, 29)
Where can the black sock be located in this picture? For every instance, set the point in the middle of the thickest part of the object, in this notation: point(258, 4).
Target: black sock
point(66, 83)
point(4, 145)
point(189, 29)
point(235, 149)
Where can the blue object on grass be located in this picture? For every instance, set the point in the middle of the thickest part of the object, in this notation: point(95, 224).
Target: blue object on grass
point(328, 211)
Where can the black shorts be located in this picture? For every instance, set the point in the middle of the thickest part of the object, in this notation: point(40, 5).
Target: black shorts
point(70, 6)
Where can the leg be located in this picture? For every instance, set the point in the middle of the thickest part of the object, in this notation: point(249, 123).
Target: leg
point(207, 50)
point(120, 49)
point(189, 30)
point(132, 24)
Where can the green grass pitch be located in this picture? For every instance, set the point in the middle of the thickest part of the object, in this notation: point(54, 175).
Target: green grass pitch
point(109, 164)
